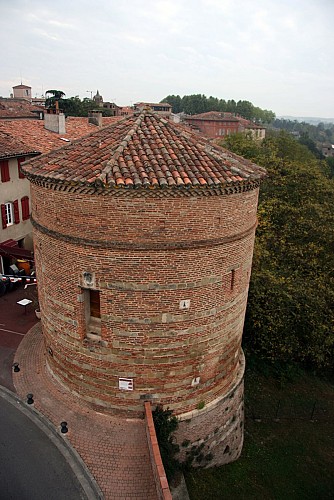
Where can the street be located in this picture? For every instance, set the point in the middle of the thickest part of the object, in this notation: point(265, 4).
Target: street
point(31, 465)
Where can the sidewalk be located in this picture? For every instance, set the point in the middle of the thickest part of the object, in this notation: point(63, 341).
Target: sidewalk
point(114, 450)
point(15, 321)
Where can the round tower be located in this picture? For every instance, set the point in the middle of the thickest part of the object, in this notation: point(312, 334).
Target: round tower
point(143, 238)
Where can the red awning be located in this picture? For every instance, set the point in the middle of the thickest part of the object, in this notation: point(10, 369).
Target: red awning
point(10, 248)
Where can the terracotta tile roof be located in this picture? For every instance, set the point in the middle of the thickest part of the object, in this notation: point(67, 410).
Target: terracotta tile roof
point(35, 137)
point(213, 115)
point(144, 151)
point(143, 104)
point(11, 147)
point(248, 123)
point(218, 116)
point(18, 108)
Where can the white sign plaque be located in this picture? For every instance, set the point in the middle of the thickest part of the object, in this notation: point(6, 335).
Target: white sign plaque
point(125, 384)
point(184, 304)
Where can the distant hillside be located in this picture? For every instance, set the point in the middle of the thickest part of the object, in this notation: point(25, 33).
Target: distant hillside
point(307, 119)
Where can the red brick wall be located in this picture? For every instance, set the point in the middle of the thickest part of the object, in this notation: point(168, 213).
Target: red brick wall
point(214, 128)
point(148, 254)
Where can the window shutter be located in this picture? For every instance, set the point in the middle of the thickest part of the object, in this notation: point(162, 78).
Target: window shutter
point(25, 207)
point(4, 171)
point(3, 216)
point(19, 161)
point(16, 212)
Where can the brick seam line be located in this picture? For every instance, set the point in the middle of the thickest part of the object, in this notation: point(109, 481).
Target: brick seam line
point(84, 477)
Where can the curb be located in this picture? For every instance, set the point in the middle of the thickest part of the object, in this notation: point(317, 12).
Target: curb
point(87, 482)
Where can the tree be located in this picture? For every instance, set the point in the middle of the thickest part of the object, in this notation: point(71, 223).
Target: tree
point(290, 313)
point(54, 97)
point(166, 424)
point(56, 94)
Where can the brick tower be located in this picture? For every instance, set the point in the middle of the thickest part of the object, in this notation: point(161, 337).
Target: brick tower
point(143, 238)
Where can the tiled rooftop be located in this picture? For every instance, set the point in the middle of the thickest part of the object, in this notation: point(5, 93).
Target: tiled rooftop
point(144, 151)
point(143, 104)
point(213, 115)
point(18, 108)
point(10, 146)
point(34, 137)
point(222, 116)
point(248, 123)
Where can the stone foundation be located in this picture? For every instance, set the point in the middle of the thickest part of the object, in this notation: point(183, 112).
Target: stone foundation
point(213, 435)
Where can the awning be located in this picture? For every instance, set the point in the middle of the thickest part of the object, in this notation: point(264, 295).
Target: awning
point(10, 248)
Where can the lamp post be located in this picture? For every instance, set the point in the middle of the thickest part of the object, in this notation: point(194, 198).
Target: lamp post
point(91, 94)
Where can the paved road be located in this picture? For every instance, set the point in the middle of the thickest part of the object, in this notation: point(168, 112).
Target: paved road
point(34, 460)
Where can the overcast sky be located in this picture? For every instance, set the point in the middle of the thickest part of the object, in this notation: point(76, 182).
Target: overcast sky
point(278, 54)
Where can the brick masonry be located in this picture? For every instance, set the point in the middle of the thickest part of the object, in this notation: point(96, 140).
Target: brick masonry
point(148, 254)
point(163, 491)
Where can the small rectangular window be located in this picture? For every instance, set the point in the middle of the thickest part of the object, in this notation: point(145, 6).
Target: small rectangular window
point(232, 279)
point(9, 214)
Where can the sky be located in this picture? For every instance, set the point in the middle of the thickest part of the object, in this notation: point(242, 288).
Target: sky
point(277, 54)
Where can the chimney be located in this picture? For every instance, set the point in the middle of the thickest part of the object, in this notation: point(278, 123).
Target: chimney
point(95, 117)
point(54, 121)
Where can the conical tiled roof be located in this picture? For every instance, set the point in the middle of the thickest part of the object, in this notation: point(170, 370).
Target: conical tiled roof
point(144, 151)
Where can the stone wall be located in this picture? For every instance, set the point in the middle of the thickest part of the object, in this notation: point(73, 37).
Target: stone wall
point(213, 435)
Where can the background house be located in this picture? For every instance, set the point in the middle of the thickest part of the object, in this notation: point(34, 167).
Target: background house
point(22, 92)
point(215, 124)
point(161, 108)
point(20, 140)
point(15, 229)
point(11, 109)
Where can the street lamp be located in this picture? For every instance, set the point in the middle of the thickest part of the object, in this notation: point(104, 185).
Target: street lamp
point(91, 94)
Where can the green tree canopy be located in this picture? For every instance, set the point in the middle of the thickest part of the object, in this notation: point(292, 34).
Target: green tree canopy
point(74, 106)
point(290, 315)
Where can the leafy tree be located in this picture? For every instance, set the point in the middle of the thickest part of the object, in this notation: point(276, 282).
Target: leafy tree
point(322, 133)
point(54, 96)
point(166, 424)
point(310, 144)
point(290, 314)
point(74, 106)
point(245, 109)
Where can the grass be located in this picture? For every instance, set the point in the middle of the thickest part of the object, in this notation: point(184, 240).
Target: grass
point(289, 459)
